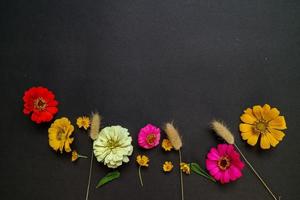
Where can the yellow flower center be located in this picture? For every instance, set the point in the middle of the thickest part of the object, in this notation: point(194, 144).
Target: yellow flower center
point(224, 163)
point(60, 135)
point(40, 104)
point(112, 144)
point(151, 138)
point(261, 126)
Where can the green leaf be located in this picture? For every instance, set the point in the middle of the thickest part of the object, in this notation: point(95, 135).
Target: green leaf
point(198, 170)
point(108, 178)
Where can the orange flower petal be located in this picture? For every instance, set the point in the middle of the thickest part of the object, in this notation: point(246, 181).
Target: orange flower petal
point(278, 135)
point(252, 140)
point(250, 112)
point(250, 136)
point(278, 123)
point(257, 110)
point(264, 142)
point(270, 114)
point(248, 119)
point(246, 127)
point(272, 140)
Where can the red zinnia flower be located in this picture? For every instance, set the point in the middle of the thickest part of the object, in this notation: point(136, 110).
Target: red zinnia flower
point(41, 103)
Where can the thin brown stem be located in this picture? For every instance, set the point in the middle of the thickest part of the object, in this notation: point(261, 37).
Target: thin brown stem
point(256, 173)
point(82, 156)
point(90, 174)
point(140, 176)
point(181, 178)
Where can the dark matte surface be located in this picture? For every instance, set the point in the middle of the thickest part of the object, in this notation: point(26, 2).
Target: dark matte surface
point(148, 61)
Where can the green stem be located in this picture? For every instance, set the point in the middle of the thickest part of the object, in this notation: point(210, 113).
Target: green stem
point(181, 179)
point(140, 176)
point(209, 178)
point(256, 173)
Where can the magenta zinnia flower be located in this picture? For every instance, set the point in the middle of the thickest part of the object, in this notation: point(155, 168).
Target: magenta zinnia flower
point(149, 137)
point(224, 163)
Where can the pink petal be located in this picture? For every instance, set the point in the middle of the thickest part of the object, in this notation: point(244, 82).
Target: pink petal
point(218, 175)
point(229, 149)
point(214, 171)
point(225, 178)
point(210, 164)
point(213, 154)
point(222, 149)
point(234, 173)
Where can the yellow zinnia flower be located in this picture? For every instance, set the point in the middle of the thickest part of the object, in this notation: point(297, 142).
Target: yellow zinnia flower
point(167, 166)
point(83, 122)
point(166, 145)
point(185, 168)
point(75, 156)
point(59, 134)
point(142, 160)
point(263, 122)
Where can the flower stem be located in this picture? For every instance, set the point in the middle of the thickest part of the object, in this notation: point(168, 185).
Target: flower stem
point(256, 173)
point(82, 156)
point(90, 174)
point(181, 179)
point(140, 176)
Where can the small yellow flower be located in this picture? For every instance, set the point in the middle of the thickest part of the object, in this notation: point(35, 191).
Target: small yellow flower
point(167, 166)
point(74, 156)
point(142, 160)
point(166, 145)
point(264, 123)
point(59, 134)
point(83, 122)
point(185, 168)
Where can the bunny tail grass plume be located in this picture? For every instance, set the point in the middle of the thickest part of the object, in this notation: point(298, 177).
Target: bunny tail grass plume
point(95, 126)
point(173, 135)
point(222, 131)
point(94, 132)
point(176, 142)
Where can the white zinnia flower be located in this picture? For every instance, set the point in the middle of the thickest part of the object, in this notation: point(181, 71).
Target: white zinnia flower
point(113, 146)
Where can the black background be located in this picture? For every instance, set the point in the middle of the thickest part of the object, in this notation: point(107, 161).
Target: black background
point(148, 61)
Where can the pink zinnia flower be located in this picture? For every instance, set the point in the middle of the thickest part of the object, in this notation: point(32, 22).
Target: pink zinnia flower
point(224, 163)
point(149, 137)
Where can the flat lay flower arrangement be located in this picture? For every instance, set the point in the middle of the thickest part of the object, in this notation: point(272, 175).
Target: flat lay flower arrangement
point(112, 145)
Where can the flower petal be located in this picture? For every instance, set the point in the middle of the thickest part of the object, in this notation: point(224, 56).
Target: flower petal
point(234, 173)
point(222, 149)
point(252, 140)
point(52, 110)
point(257, 110)
point(245, 127)
point(249, 112)
point(226, 177)
point(248, 119)
point(214, 171)
point(272, 140)
point(213, 154)
point(269, 114)
point(264, 142)
point(278, 123)
point(210, 165)
point(278, 135)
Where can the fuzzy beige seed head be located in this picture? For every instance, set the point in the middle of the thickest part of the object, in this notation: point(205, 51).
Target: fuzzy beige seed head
point(222, 131)
point(95, 126)
point(173, 135)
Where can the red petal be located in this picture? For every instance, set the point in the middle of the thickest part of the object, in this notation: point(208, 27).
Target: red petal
point(52, 110)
